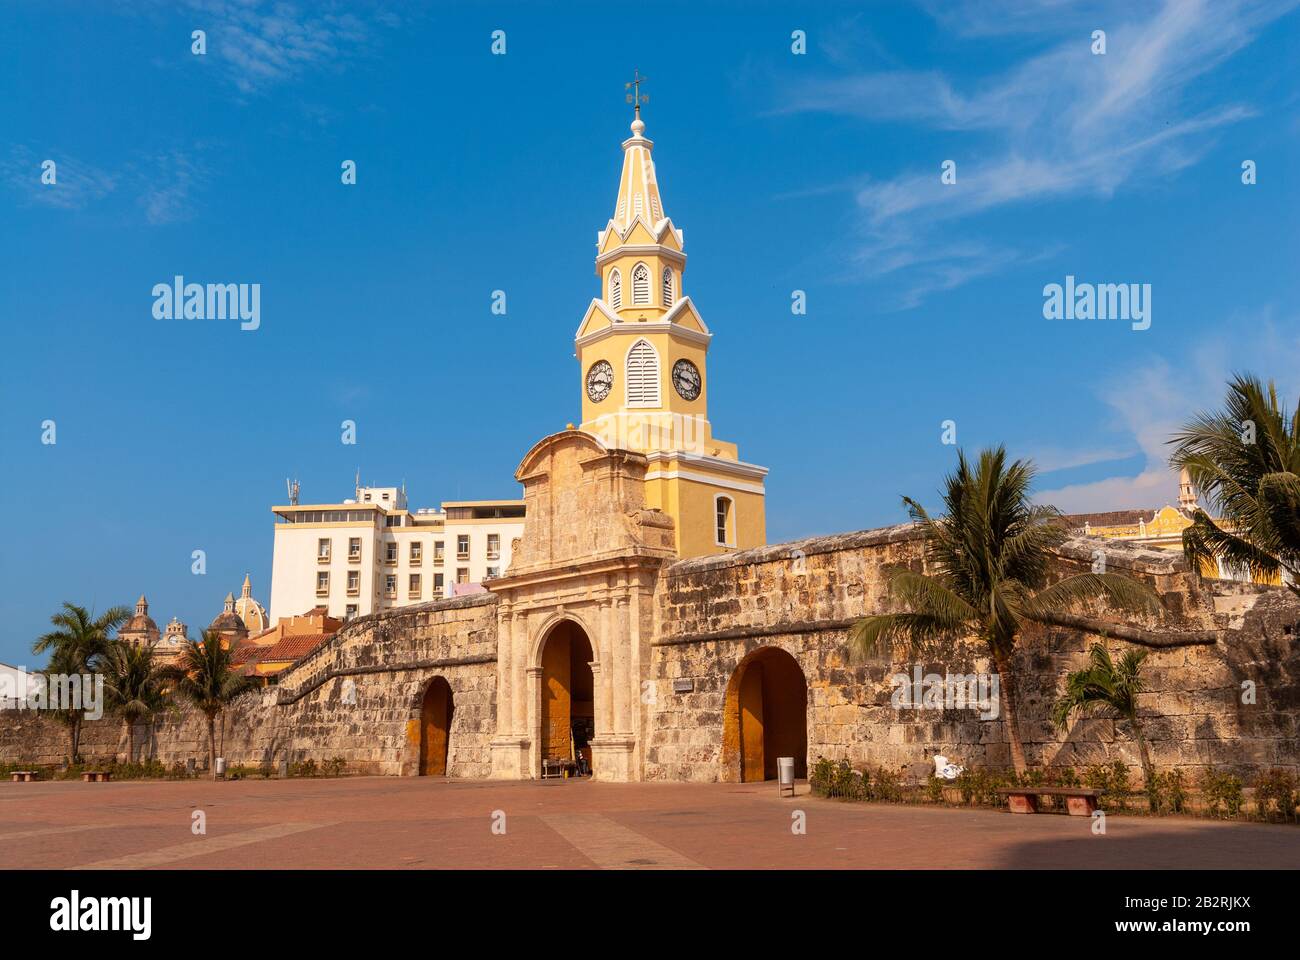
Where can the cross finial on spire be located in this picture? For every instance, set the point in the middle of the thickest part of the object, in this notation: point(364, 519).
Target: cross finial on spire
point(636, 97)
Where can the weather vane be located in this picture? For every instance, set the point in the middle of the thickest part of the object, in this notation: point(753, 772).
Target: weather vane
point(636, 97)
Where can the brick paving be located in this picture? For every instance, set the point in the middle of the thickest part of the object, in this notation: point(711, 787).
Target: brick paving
point(384, 822)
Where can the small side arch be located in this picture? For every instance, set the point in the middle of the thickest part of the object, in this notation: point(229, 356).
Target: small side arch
point(765, 716)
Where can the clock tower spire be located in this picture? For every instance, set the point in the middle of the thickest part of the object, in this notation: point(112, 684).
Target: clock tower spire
point(642, 348)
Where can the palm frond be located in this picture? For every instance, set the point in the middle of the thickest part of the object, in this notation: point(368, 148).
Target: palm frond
point(1118, 591)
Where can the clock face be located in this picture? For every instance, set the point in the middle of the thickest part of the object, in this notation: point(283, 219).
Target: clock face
point(600, 380)
point(686, 379)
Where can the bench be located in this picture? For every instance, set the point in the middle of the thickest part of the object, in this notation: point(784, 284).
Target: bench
point(552, 768)
point(24, 776)
point(96, 776)
point(1079, 801)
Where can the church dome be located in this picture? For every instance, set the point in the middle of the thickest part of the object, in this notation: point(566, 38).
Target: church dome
point(227, 621)
point(252, 613)
point(140, 622)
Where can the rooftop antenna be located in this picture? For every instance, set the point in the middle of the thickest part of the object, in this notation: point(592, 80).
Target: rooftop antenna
point(293, 491)
point(358, 484)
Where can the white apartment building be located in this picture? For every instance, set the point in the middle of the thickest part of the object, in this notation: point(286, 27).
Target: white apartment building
point(371, 553)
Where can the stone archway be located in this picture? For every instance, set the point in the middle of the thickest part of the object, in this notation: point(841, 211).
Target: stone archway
point(765, 717)
point(567, 711)
point(436, 709)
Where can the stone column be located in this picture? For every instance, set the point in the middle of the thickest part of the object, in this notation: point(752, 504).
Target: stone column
point(509, 747)
point(523, 702)
point(505, 674)
point(605, 692)
point(532, 740)
point(622, 680)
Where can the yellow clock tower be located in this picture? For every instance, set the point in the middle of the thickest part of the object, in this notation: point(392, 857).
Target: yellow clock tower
point(642, 349)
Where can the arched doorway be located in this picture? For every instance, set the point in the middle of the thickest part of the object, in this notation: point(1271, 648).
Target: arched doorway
point(568, 708)
point(435, 728)
point(766, 716)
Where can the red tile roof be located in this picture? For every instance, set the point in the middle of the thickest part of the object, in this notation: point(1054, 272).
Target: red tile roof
point(293, 648)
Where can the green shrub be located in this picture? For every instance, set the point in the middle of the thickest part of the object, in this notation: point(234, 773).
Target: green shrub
point(934, 788)
point(1112, 779)
point(979, 786)
point(884, 785)
point(304, 768)
point(1167, 792)
point(333, 767)
point(1275, 794)
point(1221, 793)
point(820, 779)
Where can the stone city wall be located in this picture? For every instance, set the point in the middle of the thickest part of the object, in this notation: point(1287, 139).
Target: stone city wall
point(389, 658)
point(710, 613)
point(801, 597)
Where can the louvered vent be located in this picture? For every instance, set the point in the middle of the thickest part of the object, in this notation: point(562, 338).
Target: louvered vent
point(641, 284)
point(642, 376)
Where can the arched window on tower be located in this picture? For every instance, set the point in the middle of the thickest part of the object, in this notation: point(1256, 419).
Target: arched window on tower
point(668, 286)
point(725, 521)
point(640, 284)
point(616, 289)
point(642, 375)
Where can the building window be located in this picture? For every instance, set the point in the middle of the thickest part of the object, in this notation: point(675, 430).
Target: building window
point(462, 546)
point(354, 549)
point(390, 554)
point(642, 375)
point(640, 284)
point(494, 546)
point(417, 553)
point(616, 289)
point(323, 550)
point(413, 587)
point(725, 522)
point(437, 551)
point(439, 585)
point(350, 612)
point(668, 286)
point(322, 583)
point(493, 572)
point(390, 586)
point(462, 574)
point(354, 583)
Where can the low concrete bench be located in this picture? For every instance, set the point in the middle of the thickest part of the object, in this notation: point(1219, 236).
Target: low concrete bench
point(24, 776)
point(1079, 801)
point(96, 776)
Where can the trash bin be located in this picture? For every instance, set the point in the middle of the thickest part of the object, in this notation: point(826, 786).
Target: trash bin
point(221, 767)
point(785, 775)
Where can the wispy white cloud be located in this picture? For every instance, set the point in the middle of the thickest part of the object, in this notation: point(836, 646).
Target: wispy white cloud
point(1150, 400)
point(161, 185)
point(167, 182)
point(1062, 123)
point(76, 185)
point(264, 44)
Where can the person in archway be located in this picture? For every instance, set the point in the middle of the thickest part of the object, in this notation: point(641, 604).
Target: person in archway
point(581, 748)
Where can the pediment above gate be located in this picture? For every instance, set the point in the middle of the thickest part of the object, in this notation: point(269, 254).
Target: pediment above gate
point(585, 502)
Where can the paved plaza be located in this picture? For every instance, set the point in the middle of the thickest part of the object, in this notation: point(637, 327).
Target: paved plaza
point(379, 822)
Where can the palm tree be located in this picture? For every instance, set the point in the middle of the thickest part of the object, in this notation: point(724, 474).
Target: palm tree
point(989, 557)
point(133, 687)
point(205, 675)
point(1108, 686)
point(76, 646)
point(1245, 461)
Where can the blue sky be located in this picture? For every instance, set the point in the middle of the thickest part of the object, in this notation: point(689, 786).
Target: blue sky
point(817, 172)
